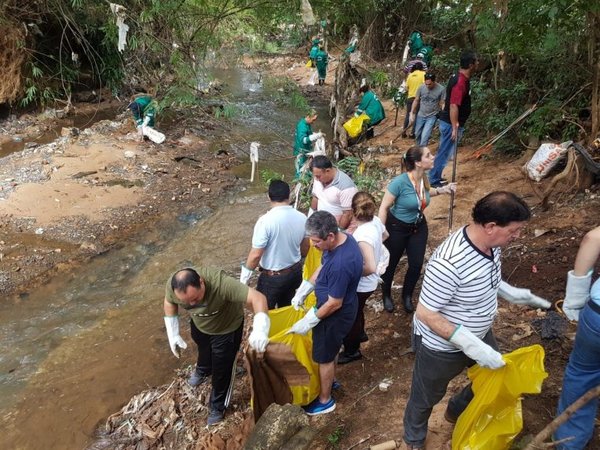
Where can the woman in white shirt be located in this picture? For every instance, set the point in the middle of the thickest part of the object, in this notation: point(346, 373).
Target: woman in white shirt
point(370, 234)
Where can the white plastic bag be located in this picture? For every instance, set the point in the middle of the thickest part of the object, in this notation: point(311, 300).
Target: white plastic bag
point(318, 147)
point(154, 135)
point(545, 158)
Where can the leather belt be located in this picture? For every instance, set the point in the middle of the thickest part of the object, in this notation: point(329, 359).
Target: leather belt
point(272, 273)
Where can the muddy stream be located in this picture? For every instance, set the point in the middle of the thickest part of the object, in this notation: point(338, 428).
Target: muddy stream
point(78, 348)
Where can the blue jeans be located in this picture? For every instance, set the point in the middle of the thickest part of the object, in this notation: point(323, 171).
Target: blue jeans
point(423, 128)
point(444, 151)
point(581, 375)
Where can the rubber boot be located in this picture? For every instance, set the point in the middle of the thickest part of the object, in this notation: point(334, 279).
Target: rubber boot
point(388, 302)
point(407, 303)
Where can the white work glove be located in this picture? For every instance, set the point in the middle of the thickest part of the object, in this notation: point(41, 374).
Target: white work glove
point(140, 130)
point(259, 338)
point(175, 340)
point(577, 294)
point(146, 121)
point(301, 293)
point(313, 137)
point(307, 323)
point(447, 189)
point(476, 349)
point(520, 296)
point(245, 274)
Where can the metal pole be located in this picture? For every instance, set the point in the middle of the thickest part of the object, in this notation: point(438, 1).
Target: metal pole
point(451, 211)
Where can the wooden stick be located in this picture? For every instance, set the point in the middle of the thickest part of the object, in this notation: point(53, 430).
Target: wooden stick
point(538, 442)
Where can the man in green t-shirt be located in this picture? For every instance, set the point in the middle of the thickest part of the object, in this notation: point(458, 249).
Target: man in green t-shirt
point(215, 303)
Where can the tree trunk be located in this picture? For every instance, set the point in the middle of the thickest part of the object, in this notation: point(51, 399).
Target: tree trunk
point(594, 56)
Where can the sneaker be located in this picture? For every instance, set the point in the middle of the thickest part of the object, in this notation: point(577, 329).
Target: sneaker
point(336, 385)
point(316, 407)
point(345, 358)
point(449, 416)
point(197, 378)
point(214, 417)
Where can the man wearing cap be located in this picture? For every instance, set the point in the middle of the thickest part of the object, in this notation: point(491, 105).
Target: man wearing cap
point(215, 303)
point(429, 100)
point(278, 244)
point(304, 140)
point(332, 191)
point(413, 82)
point(408, 68)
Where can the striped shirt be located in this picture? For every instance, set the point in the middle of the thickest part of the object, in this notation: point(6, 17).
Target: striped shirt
point(461, 283)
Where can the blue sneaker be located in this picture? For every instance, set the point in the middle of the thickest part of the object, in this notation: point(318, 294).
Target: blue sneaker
point(336, 385)
point(316, 407)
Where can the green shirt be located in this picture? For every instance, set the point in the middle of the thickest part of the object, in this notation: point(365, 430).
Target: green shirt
point(406, 206)
point(147, 108)
point(302, 143)
point(372, 107)
point(222, 308)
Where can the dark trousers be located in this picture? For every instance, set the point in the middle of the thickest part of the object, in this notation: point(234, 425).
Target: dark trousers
point(352, 340)
point(409, 103)
point(432, 372)
point(413, 239)
point(279, 289)
point(216, 356)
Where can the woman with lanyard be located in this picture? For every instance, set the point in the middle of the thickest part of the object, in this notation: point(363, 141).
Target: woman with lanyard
point(401, 210)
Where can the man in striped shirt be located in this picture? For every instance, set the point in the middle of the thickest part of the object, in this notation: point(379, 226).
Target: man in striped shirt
point(457, 307)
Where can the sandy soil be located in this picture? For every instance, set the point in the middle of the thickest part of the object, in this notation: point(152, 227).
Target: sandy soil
point(74, 199)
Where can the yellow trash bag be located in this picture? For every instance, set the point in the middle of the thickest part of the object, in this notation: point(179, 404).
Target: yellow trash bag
point(494, 416)
point(309, 63)
point(354, 126)
point(301, 346)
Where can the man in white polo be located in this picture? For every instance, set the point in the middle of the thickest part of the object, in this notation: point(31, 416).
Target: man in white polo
point(332, 191)
point(278, 245)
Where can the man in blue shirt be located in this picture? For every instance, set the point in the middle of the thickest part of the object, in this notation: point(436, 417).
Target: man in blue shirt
point(334, 283)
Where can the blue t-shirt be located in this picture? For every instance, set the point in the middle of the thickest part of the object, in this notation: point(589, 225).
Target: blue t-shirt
point(406, 206)
point(340, 273)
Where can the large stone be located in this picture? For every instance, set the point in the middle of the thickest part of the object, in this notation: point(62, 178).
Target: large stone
point(276, 427)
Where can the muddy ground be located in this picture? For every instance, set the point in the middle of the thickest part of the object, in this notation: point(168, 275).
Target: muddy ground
point(69, 201)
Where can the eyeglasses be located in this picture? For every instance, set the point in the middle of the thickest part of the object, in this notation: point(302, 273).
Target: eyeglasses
point(495, 275)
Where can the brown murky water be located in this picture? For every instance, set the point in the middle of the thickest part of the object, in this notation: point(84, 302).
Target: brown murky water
point(104, 338)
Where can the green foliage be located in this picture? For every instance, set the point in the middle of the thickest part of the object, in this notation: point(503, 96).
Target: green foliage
point(286, 92)
point(366, 176)
point(268, 175)
point(334, 438)
point(227, 111)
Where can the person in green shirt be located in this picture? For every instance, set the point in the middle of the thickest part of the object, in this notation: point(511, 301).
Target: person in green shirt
point(304, 140)
point(143, 108)
point(372, 107)
point(322, 59)
point(215, 303)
